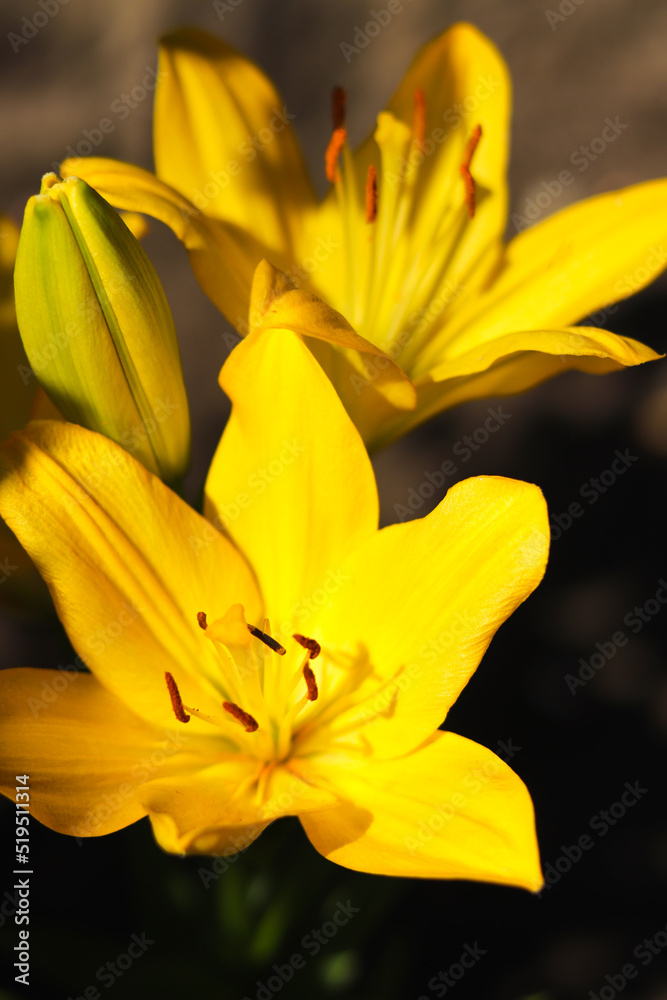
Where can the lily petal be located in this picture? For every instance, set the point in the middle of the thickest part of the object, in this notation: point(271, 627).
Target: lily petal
point(451, 809)
point(84, 750)
point(218, 810)
point(575, 262)
point(476, 557)
point(510, 364)
point(465, 83)
point(275, 303)
point(223, 137)
point(129, 565)
point(291, 480)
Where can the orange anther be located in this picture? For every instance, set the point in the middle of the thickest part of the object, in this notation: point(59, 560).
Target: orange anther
point(245, 718)
point(371, 194)
point(267, 640)
point(311, 645)
point(311, 683)
point(336, 143)
point(175, 696)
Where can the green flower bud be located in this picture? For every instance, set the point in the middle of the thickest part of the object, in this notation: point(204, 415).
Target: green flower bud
point(97, 328)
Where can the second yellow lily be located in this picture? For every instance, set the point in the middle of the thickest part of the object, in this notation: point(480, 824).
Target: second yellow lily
point(407, 245)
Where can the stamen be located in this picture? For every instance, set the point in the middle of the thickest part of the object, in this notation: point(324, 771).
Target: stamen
point(245, 718)
point(201, 618)
point(267, 640)
point(464, 169)
point(175, 696)
point(311, 683)
point(311, 645)
point(419, 119)
point(371, 195)
point(336, 143)
point(338, 102)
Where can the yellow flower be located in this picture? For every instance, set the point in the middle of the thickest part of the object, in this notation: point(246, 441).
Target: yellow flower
point(97, 328)
point(314, 655)
point(408, 243)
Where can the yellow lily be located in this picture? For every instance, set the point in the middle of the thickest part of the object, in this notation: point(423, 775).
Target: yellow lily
point(408, 243)
point(296, 662)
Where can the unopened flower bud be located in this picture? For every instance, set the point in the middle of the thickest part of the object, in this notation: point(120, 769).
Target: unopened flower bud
point(97, 328)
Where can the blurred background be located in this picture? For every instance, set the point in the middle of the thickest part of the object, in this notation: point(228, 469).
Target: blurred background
point(217, 933)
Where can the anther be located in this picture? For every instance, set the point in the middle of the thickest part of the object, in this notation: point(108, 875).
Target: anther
point(175, 696)
point(311, 683)
point(267, 640)
point(464, 169)
point(311, 645)
point(419, 119)
point(336, 143)
point(245, 718)
point(371, 194)
point(338, 102)
point(201, 618)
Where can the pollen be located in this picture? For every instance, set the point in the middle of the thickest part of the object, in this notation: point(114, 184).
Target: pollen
point(267, 640)
point(336, 143)
point(201, 618)
point(175, 696)
point(312, 645)
point(419, 119)
point(245, 718)
point(338, 103)
point(464, 169)
point(371, 195)
point(311, 683)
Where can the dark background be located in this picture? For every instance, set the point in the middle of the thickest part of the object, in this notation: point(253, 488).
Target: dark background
point(220, 939)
